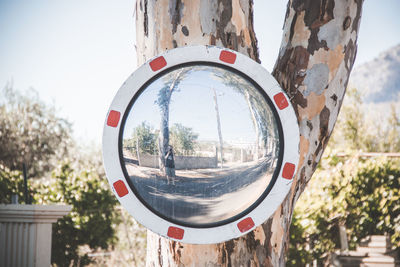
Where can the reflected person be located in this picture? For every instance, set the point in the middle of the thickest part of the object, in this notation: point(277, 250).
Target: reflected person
point(170, 165)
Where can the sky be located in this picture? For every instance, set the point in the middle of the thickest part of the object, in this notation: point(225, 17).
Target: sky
point(193, 105)
point(77, 54)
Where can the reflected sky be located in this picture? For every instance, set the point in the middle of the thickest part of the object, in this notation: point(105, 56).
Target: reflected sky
point(193, 106)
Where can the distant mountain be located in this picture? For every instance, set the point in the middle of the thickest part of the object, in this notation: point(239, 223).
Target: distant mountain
point(379, 80)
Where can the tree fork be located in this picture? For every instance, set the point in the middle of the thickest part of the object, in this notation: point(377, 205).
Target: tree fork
point(316, 56)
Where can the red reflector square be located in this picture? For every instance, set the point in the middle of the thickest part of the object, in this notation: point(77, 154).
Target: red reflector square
point(245, 224)
point(281, 101)
point(227, 57)
point(288, 170)
point(158, 63)
point(120, 188)
point(113, 118)
point(175, 232)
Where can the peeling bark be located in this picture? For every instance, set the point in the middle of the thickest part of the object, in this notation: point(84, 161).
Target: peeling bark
point(317, 53)
point(162, 25)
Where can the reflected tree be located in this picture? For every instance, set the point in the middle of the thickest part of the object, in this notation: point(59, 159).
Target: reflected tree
point(262, 119)
point(143, 140)
point(171, 84)
point(183, 139)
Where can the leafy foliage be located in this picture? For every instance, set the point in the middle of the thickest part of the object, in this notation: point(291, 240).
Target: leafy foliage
point(372, 202)
point(145, 136)
point(91, 219)
point(11, 182)
point(355, 131)
point(131, 246)
point(298, 254)
point(183, 139)
point(31, 132)
point(360, 194)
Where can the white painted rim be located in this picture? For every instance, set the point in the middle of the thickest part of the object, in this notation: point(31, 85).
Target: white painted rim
point(120, 104)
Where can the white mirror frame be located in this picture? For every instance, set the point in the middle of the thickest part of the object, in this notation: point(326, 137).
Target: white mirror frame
point(212, 55)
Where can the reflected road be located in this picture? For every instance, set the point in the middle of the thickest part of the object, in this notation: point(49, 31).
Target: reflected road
point(203, 196)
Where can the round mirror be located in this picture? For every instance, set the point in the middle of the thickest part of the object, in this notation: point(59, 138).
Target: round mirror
point(200, 145)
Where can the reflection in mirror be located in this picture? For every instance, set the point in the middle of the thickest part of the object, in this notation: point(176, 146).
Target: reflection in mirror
point(200, 145)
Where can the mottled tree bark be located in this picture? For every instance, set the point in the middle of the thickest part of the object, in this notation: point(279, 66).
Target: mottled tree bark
point(316, 56)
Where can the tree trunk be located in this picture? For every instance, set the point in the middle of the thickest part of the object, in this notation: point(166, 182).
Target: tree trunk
point(316, 56)
point(221, 142)
point(163, 139)
point(164, 100)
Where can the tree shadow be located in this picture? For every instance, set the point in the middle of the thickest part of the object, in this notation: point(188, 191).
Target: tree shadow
point(193, 197)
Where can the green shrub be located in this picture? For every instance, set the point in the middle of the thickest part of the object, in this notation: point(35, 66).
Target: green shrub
point(362, 195)
point(92, 219)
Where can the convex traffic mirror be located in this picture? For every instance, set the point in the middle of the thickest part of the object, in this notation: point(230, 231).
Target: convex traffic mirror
point(200, 144)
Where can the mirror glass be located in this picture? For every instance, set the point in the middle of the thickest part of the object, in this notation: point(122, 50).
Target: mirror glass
point(200, 145)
